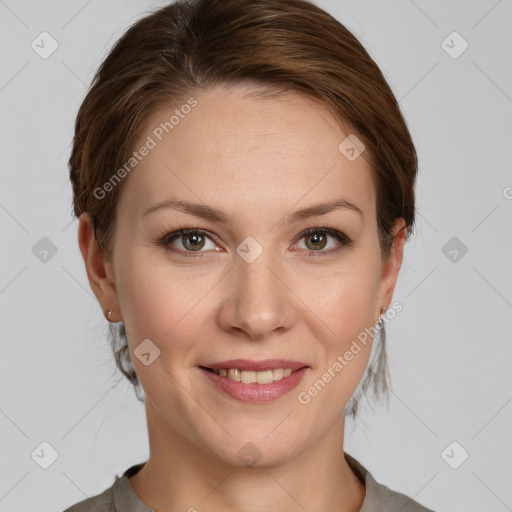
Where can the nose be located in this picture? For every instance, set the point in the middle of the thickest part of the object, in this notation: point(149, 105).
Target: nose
point(258, 302)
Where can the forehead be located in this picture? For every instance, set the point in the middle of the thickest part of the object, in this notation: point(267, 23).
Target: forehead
point(236, 150)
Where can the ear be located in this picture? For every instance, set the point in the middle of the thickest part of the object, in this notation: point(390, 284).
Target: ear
point(391, 267)
point(99, 269)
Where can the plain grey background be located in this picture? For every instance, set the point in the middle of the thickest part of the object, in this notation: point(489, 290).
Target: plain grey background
point(450, 347)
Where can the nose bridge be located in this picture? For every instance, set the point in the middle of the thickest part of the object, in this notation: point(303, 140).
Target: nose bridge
point(259, 299)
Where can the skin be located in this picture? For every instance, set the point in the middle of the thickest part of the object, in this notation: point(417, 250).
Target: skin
point(257, 159)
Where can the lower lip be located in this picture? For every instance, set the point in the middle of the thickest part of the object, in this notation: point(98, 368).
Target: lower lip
point(256, 393)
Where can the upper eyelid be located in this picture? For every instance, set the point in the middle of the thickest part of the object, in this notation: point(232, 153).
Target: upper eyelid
point(184, 231)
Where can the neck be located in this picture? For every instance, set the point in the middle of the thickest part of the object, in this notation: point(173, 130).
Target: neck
point(179, 475)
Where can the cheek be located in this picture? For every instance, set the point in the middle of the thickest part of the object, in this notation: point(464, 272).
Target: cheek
point(346, 308)
point(161, 303)
point(348, 312)
point(345, 301)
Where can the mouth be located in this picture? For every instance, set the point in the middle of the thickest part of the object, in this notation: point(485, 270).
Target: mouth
point(250, 372)
point(241, 381)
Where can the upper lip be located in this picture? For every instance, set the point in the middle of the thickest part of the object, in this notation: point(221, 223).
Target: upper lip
point(255, 366)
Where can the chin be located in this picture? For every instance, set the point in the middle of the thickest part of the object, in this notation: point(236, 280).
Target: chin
point(253, 451)
point(253, 455)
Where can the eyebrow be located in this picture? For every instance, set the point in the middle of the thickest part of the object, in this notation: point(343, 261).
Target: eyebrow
point(207, 212)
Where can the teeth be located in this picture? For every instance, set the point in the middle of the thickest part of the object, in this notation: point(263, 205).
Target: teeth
point(248, 377)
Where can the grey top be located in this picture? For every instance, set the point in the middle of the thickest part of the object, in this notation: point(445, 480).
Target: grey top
point(120, 497)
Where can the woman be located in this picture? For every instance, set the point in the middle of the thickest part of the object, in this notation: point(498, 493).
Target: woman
point(244, 181)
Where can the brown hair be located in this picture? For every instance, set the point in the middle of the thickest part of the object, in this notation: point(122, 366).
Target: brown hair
point(277, 45)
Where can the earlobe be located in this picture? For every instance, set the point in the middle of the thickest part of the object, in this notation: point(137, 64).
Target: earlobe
point(99, 269)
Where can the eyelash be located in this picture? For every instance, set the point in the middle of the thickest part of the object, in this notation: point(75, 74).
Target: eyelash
point(182, 230)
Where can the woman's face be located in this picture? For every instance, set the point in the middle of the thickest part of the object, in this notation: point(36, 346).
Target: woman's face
point(249, 286)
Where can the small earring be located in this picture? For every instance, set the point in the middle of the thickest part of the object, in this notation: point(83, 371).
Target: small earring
point(109, 315)
point(382, 310)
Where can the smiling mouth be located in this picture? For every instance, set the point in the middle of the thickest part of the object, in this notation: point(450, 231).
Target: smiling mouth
point(251, 377)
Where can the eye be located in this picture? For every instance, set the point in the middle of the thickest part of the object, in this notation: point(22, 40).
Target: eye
point(316, 240)
point(193, 240)
point(190, 239)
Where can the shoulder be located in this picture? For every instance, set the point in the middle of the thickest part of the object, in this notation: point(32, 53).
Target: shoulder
point(119, 497)
point(389, 500)
point(102, 502)
point(380, 498)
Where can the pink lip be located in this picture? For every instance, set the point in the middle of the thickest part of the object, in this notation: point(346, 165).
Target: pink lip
point(256, 366)
point(256, 393)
